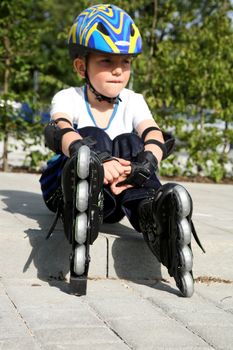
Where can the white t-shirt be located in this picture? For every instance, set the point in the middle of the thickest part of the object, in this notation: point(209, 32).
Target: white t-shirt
point(127, 114)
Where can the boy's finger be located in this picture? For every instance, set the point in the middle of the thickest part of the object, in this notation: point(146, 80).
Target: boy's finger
point(123, 161)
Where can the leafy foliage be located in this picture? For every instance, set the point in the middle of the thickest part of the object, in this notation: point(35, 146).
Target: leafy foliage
point(184, 73)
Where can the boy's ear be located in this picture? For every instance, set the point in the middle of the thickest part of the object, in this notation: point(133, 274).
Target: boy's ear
point(80, 66)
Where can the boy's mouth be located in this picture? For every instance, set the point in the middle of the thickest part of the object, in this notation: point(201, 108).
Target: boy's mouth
point(115, 81)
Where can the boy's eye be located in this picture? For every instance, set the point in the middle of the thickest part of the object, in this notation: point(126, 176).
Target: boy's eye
point(127, 60)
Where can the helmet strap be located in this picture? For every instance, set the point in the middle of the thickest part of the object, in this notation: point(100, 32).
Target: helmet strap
point(98, 95)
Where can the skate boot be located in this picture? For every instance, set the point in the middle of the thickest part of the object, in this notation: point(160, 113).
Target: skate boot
point(82, 214)
point(165, 221)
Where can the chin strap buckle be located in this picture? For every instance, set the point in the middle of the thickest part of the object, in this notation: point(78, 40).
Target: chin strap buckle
point(99, 96)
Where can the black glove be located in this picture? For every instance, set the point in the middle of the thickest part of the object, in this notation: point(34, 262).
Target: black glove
point(75, 145)
point(142, 170)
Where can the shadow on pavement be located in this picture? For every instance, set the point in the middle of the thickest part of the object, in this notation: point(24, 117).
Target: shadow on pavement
point(50, 257)
point(131, 259)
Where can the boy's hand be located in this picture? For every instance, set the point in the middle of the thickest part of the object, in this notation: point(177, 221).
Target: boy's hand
point(113, 169)
point(118, 189)
point(142, 170)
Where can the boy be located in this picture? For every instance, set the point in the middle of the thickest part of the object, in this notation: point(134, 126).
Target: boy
point(111, 129)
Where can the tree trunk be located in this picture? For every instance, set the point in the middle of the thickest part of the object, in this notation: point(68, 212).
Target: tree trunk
point(202, 121)
point(5, 165)
point(153, 41)
point(6, 42)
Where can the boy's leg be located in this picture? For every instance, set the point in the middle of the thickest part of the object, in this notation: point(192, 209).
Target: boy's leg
point(128, 146)
point(50, 182)
point(163, 214)
point(111, 209)
point(165, 221)
point(82, 187)
point(82, 182)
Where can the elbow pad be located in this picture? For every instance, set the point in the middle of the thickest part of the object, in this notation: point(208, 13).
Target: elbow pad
point(169, 142)
point(53, 136)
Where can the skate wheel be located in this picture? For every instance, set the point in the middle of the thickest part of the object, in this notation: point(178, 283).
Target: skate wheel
point(79, 259)
point(81, 228)
point(186, 285)
point(183, 201)
point(186, 259)
point(184, 232)
point(83, 162)
point(82, 196)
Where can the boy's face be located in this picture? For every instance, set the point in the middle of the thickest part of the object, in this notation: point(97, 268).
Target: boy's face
point(109, 74)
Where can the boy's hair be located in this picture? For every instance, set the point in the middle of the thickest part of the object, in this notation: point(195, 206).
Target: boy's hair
point(104, 28)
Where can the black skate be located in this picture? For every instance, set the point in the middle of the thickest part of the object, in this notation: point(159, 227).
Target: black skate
point(165, 221)
point(82, 214)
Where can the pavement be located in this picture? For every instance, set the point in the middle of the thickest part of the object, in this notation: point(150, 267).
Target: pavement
point(131, 301)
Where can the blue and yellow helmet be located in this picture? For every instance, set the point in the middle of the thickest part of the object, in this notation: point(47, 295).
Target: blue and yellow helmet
point(104, 28)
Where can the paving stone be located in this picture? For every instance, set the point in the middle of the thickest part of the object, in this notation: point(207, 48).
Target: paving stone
point(219, 293)
point(102, 346)
point(11, 324)
point(130, 258)
point(21, 343)
point(78, 336)
point(140, 322)
point(198, 314)
point(60, 317)
point(137, 307)
point(99, 258)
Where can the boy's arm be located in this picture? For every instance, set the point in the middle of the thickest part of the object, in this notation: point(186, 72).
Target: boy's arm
point(152, 135)
point(157, 146)
point(112, 168)
point(69, 137)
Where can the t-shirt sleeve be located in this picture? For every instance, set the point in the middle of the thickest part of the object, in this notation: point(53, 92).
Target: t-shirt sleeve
point(141, 110)
point(62, 103)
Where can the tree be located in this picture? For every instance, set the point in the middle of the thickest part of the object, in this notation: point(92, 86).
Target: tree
point(19, 37)
point(184, 72)
point(185, 75)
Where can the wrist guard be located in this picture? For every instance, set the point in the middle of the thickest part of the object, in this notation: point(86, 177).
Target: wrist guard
point(75, 145)
point(142, 170)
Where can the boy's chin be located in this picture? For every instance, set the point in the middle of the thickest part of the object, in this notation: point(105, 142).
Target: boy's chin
point(113, 93)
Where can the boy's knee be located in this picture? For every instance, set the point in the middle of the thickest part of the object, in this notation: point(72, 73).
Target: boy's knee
point(127, 146)
point(103, 141)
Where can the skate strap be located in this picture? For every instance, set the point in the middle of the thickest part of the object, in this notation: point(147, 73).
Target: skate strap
point(196, 237)
point(54, 223)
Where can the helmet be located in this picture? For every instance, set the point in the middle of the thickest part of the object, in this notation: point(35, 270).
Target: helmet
point(104, 28)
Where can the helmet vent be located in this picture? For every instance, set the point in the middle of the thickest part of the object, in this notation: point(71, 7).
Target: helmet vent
point(102, 29)
point(132, 31)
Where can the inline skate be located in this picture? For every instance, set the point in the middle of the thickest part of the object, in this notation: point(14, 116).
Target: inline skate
point(82, 182)
point(165, 221)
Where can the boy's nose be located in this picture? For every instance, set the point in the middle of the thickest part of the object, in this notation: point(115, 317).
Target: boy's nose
point(117, 70)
